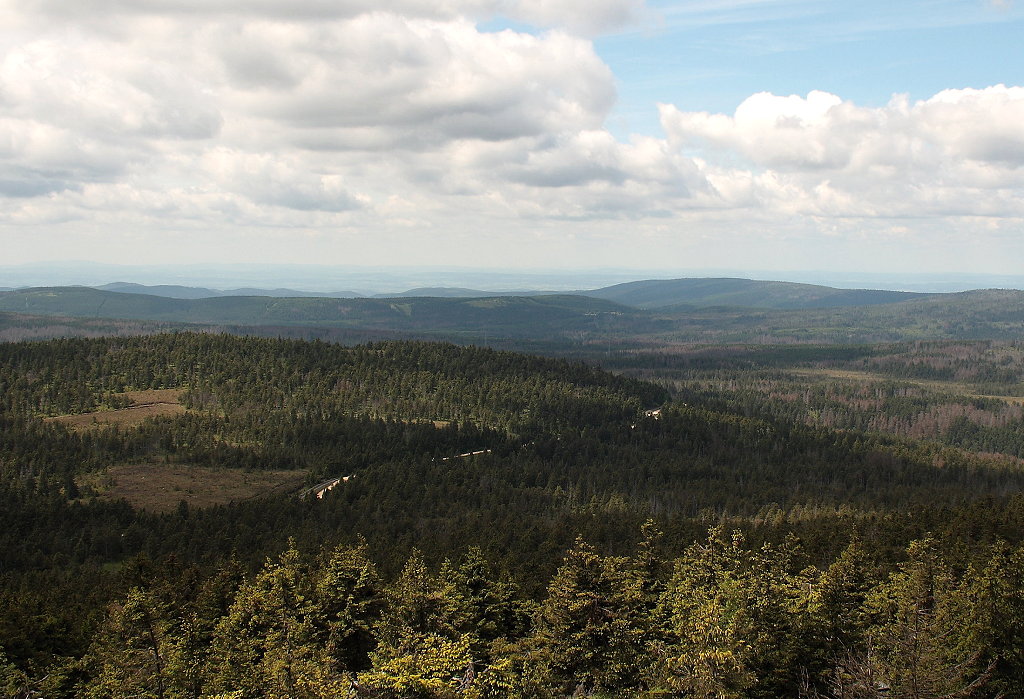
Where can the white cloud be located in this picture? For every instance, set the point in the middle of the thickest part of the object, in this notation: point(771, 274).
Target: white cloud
point(390, 81)
point(264, 179)
point(145, 98)
point(587, 17)
point(959, 152)
point(355, 123)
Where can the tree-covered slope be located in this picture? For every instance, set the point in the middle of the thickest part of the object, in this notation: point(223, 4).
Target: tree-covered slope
point(481, 458)
point(509, 316)
point(549, 322)
point(192, 292)
point(556, 440)
point(746, 293)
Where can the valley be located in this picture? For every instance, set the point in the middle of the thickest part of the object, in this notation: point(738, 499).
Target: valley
point(211, 482)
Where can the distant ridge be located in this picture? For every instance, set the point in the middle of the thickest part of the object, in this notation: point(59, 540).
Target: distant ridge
point(647, 295)
point(509, 315)
point(809, 316)
point(743, 293)
point(197, 292)
point(451, 293)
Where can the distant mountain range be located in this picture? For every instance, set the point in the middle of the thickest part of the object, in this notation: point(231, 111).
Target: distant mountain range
point(197, 292)
point(642, 313)
point(458, 292)
point(508, 316)
point(743, 293)
point(655, 293)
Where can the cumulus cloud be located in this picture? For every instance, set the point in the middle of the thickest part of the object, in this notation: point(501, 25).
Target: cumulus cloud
point(86, 87)
point(959, 152)
point(416, 83)
point(146, 97)
point(587, 17)
point(363, 119)
point(824, 131)
point(264, 179)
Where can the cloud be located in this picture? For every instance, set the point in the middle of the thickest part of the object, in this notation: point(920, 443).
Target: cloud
point(393, 82)
point(88, 86)
point(368, 122)
point(146, 99)
point(587, 17)
point(959, 152)
point(264, 179)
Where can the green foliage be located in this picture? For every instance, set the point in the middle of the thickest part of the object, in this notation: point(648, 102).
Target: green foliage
point(732, 618)
point(135, 651)
point(993, 591)
point(262, 647)
point(12, 680)
point(837, 616)
point(347, 600)
point(438, 568)
point(918, 617)
point(592, 627)
point(729, 620)
point(425, 665)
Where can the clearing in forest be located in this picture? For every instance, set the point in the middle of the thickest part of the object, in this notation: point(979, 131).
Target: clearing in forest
point(143, 405)
point(159, 487)
point(952, 387)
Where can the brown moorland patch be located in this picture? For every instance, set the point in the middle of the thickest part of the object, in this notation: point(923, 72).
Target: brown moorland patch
point(159, 487)
point(144, 404)
point(153, 395)
point(953, 387)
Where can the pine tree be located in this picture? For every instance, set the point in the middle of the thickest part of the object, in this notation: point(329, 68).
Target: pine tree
point(707, 652)
point(133, 651)
point(422, 650)
point(592, 626)
point(347, 600)
point(915, 638)
point(12, 680)
point(265, 645)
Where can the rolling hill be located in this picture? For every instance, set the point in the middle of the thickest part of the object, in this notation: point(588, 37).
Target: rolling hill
point(649, 294)
point(510, 316)
point(458, 292)
point(975, 315)
point(175, 291)
point(745, 293)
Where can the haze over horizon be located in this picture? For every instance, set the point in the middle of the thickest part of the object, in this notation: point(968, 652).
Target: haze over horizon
point(741, 135)
point(370, 280)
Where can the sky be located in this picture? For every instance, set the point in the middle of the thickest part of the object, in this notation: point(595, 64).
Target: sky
point(867, 137)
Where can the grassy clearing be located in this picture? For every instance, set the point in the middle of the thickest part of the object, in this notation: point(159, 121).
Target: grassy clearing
point(144, 404)
point(127, 417)
point(159, 487)
point(153, 395)
point(951, 387)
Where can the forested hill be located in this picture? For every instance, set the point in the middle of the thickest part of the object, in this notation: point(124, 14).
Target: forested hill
point(549, 323)
point(447, 563)
point(986, 314)
point(743, 293)
point(508, 316)
point(177, 291)
point(654, 293)
point(406, 380)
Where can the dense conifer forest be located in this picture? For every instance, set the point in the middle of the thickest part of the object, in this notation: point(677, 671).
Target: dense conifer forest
point(729, 522)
